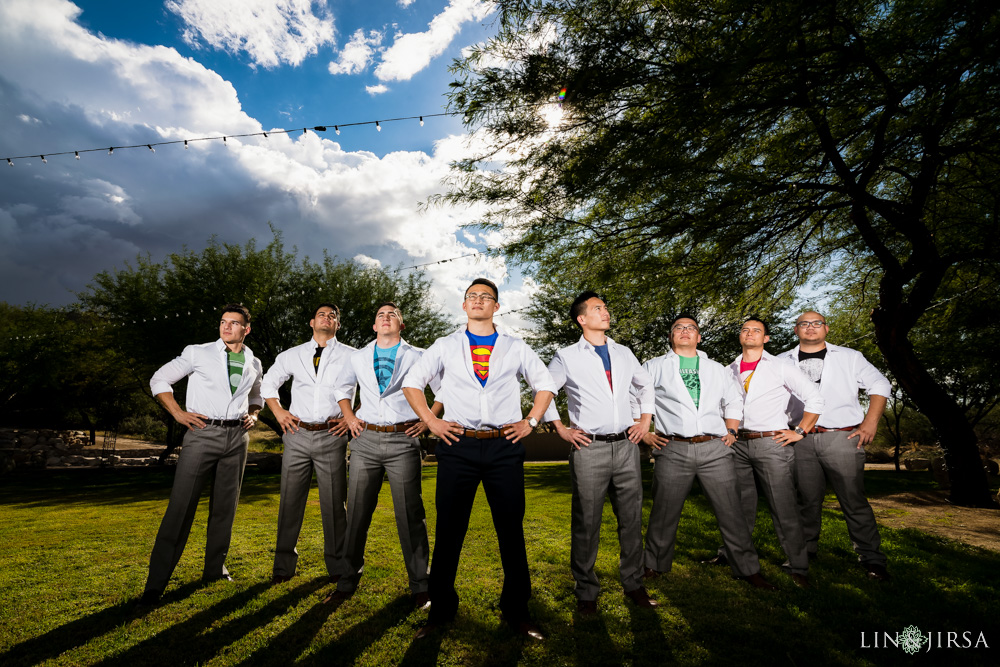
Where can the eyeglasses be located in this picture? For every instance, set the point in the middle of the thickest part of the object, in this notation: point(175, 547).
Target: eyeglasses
point(815, 324)
point(685, 327)
point(486, 298)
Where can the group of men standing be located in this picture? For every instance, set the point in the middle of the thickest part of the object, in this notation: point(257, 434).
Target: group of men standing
point(729, 427)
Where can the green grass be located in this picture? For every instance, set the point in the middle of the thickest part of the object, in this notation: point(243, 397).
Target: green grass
point(74, 547)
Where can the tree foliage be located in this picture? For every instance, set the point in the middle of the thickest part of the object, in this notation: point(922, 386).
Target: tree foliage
point(740, 150)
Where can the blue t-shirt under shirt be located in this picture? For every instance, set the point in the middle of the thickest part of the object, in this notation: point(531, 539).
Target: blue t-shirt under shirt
point(482, 348)
point(385, 362)
point(602, 352)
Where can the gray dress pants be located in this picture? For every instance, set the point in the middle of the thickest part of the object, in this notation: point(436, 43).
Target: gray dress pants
point(327, 453)
point(612, 469)
point(373, 456)
point(676, 467)
point(216, 452)
point(773, 466)
point(820, 457)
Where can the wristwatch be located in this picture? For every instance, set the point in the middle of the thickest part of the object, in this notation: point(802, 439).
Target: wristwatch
point(798, 429)
point(732, 431)
point(532, 422)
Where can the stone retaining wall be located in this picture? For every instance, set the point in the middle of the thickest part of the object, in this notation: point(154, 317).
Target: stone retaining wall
point(38, 448)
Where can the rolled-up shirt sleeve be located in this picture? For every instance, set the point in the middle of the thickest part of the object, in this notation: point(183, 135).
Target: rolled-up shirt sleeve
point(557, 369)
point(276, 376)
point(871, 380)
point(642, 389)
point(428, 368)
point(732, 399)
point(255, 397)
point(344, 389)
point(173, 371)
point(535, 373)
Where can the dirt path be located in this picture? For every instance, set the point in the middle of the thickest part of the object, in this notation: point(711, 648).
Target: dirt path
point(930, 512)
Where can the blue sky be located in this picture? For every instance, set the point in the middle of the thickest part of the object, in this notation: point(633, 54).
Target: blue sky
point(97, 73)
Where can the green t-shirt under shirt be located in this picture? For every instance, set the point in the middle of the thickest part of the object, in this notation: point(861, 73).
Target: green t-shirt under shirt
point(689, 374)
point(235, 360)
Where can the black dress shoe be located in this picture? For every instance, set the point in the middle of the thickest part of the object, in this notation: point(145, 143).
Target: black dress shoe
point(876, 571)
point(650, 573)
point(337, 597)
point(718, 559)
point(586, 607)
point(150, 597)
point(280, 579)
point(758, 581)
point(801, 580)
point(641, 599)
point(422, 600)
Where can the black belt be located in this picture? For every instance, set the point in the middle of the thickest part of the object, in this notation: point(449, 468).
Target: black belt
point(820, 429)
point(224, 422)
point(611, 437)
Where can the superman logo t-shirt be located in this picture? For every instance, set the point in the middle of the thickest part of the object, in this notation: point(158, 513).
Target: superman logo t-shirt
point(482, 348)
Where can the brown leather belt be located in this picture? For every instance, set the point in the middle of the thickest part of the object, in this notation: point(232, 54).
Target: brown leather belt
point(224, 422)
point(754, 435)
point(820, 429)
point(484, 434)
point(310, 426)
point(391, 428)
point(609, 437)
point(695, 439)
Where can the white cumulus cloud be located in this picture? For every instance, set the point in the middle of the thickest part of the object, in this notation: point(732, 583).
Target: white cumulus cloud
point(377, 89)
point(270, 32)
point(412, 52)
point(357, 53)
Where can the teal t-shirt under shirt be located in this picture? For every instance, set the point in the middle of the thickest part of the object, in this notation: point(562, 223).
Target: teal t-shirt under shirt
point(689, 374)
point(385, 363)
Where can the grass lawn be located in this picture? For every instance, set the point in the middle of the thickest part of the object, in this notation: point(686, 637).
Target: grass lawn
point(74, 548)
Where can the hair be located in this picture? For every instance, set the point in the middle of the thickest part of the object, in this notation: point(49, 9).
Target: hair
point(580, 305)
point(331, 306)
point(395, 307)
point(810, 311)
point(488, 283)
point(755, 318)
point(237, 308)
point(685, 316)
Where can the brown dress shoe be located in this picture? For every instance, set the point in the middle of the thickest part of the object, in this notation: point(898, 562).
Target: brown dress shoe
point(422, 600)
point(650, 573)
point(337, 597)
point(758, 581)
point(876, 571)
point(717, 559)
point(641, 598)
point(801, 580)
point(586, 607)
point(280, 579)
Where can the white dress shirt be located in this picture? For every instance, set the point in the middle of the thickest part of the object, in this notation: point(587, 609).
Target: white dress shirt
point(845, 371)
point(312, 389)
point(208, 391)
point(380, 408)
point(766, 402)
point(593, 406)
point(676, 413)
point(465, 400)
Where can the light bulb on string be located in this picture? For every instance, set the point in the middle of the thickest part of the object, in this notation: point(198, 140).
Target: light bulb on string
point(224, 142)
point(43, 159)
point(111, 151)
point(76, 154)
point(265, 135)
point(10, 163)
point(150, 147)
point(186, 144)
point(378, 126)
point(421, 121)
point(336, 129)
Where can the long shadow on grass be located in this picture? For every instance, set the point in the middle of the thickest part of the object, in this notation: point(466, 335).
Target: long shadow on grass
point(83, 630)
point(592, 643)
point(202, 636)
point(550, 477)
point(98, 487)
point(346, 648)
